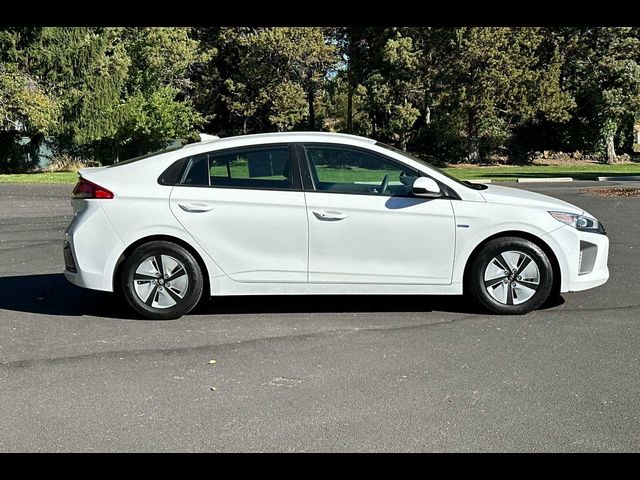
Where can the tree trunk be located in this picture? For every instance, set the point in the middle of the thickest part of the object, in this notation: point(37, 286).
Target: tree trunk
point(403, 142)
point(427, 115)
point(611, 148)
point(244, 126)
point(312, 112)
point(350, 89)
point(474, 144)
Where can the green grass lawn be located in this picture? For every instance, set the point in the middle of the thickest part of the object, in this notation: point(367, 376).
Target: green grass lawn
point(58, 177)
point(511, 173)
point(499, 173)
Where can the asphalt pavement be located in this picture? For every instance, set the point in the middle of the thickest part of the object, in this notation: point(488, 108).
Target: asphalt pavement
point(79, 372)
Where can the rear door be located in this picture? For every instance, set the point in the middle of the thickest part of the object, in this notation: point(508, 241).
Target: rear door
point(246, 209)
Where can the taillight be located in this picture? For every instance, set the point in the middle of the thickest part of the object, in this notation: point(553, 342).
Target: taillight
point(86, 189)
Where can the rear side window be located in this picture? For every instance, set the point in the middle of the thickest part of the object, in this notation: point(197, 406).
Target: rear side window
point(260, 168)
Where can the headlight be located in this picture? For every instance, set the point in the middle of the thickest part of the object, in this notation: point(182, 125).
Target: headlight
point(579, 222)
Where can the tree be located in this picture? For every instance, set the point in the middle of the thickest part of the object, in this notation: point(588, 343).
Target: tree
point(403, 61)
point(496, 80)
point(107, 81)
point(279, 73)
point(603, 71)
point(155, 107)
point(87, 69)
point(24, 104)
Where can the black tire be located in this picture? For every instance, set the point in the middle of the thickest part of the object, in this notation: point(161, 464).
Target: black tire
point(192, 292)
point(489, 252)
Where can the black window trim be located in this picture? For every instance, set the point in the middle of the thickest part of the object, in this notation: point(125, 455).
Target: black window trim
point(294, 168)
point(309, 184)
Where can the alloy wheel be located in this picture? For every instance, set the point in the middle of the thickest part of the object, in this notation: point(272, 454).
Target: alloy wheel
point(512, 277)
point(161, 281)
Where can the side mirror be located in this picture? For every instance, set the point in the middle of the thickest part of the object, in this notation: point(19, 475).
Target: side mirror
point(426, 187)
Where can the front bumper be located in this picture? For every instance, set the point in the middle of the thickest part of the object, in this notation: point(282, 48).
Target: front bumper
point(582, 257)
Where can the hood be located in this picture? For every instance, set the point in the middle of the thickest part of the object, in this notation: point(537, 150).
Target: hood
point(516, 196)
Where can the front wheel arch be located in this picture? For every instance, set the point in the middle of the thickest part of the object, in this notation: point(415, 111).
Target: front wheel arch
point(555, 265)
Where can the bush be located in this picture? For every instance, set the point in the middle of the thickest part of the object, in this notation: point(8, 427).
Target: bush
point(68, 163)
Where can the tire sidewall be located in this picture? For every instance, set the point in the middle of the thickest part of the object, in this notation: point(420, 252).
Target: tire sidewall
point(194, 275)
point(502, 245)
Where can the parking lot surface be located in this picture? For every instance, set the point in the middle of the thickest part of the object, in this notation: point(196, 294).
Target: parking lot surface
point(79, 372)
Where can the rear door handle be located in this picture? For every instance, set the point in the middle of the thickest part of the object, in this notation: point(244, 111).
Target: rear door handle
point(195, 207)
point(329, 215)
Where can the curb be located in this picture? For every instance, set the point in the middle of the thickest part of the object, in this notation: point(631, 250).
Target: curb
point(628, 178)
point(545, 180)
point(479, 180)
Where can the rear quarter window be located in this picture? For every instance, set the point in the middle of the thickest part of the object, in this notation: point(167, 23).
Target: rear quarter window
point(254, 168)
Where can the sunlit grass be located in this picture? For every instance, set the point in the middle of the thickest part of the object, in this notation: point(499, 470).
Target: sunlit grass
point(57, 177)
point(511, 173)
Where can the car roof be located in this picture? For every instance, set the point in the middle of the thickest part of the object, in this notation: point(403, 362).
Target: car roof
point(282, 137)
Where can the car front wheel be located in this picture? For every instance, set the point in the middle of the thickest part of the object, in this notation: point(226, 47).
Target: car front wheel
point(511, 275)
point(161, 280)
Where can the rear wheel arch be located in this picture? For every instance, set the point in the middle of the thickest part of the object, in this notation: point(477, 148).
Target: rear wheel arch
point(555, 265)
point(165, 238)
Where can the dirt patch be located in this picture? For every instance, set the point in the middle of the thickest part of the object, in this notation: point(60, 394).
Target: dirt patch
point(614, 192)
point(541, 162)
point(573, 162)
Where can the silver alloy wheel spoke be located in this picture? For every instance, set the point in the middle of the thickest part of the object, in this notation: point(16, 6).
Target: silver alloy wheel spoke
point(160, 268)
point(144, 277)
point(531, 285)
point(523, 264)
point(509, 294)
point(512, 277)
point(174, 295)
point(176, 273)
point(161, 281)
point(494, 282)
point(152, 296)
point(500, 260)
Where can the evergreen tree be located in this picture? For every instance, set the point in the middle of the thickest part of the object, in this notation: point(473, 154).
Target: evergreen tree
point(603, 73)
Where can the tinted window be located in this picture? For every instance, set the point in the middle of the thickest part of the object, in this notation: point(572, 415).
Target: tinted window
point(475, 186)
point(345, 170)
point(248, 168)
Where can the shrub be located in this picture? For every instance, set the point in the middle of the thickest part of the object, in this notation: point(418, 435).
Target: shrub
point(68, 163)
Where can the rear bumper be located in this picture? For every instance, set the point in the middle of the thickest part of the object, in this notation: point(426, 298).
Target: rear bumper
point(87, 280)
point(91, 248)
point(582, 258)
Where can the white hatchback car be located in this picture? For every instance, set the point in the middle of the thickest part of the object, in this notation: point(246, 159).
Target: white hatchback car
point(319, 213)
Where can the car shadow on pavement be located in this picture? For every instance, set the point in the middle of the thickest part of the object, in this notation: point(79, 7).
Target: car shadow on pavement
point(51, 294)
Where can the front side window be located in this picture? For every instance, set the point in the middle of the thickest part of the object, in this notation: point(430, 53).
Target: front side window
point(261, 168)
point(346, 170)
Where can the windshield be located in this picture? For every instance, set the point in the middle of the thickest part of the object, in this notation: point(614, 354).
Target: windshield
point(427, 164)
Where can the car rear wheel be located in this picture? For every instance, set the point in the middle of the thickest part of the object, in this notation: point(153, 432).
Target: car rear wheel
point(161, 280)
point(511, 275)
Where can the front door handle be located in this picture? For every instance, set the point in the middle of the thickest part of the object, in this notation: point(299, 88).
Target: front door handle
point(195, 207)
point(329, 215)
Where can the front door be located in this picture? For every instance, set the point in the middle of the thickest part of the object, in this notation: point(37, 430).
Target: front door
point(366, 227)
